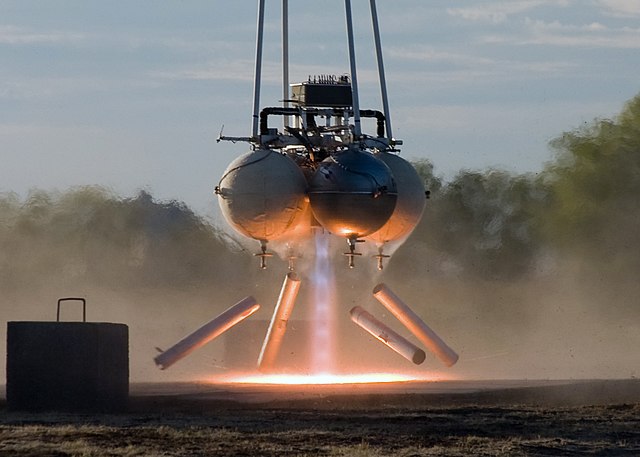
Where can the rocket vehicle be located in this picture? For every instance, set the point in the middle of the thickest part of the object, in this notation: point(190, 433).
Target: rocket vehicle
point(318, 168)
point(320, 171)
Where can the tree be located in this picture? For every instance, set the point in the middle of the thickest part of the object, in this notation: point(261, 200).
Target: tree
point(595, 182)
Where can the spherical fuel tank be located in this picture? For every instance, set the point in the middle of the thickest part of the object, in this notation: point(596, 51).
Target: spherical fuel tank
point(262, 194)
point(410, 204)
point(352, 194)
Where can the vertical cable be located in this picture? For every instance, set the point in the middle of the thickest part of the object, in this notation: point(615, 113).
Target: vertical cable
point(285, 58)
point(354, 78)
point(258, 69)
point(383, 82)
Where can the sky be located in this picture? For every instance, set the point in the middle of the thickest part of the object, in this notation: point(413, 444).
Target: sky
point(132, 95)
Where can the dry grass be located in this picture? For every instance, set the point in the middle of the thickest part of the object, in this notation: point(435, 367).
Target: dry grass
point(543, 421)
point(459, 431)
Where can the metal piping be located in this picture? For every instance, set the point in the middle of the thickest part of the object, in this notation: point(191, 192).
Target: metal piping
point(380, 120)
point(266, 112)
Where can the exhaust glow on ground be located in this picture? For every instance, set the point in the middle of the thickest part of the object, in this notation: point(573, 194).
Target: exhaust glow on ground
point(321, 378)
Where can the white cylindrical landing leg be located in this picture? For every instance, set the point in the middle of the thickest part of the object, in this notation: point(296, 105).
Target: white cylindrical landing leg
point(278, 325)
point(415, 325)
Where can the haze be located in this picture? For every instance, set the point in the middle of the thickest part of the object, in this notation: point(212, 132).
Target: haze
point(526, 261)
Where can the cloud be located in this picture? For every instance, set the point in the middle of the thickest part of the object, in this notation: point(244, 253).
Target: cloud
point(499, 12)
point(125, 40)
point(461, 68)
point(588, 35)
point(504, 118)
point(243, 70)
point(48, 88)
point(592, 35)
point(621, 8)
point(235, 70)
point(13, 35)
point(40, 130)
point(427, 53)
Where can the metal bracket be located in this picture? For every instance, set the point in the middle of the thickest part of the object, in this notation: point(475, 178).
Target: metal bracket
point(263, 254)
point(380, 257)
point(352, 250)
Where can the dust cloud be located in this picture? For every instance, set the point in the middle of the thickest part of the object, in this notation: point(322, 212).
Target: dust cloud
point(536, 275)
point(526, 276)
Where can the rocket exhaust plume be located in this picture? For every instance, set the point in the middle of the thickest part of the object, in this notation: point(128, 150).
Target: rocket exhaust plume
point(387, 336)
point(415, 325)
point(323, 283)
point(278, 325)
point(212, 329)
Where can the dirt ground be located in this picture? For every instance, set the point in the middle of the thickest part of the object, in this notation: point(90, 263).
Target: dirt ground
point(526, 418)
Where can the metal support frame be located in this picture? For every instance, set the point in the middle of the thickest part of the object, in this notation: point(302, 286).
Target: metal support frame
point(357, 128)
point(383, 82)
point(258, 69)
point(357, 134)
point(285, 59)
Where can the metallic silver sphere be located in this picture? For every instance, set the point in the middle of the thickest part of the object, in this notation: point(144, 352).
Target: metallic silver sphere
point(352, 194)
point(410, 203)
point(262, 194)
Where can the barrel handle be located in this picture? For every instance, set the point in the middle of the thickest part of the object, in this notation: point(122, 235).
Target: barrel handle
point(84, 307)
